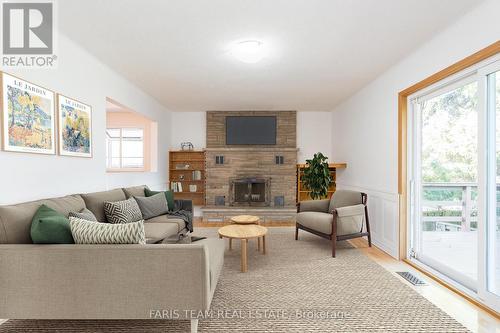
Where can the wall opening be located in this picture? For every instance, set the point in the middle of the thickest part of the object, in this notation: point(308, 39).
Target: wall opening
point(131, 140)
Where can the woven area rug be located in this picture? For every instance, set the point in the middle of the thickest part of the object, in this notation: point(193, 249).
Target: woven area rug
point(296, 287)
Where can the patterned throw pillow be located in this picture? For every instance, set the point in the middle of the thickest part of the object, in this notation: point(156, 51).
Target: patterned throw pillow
point(89, 232)
point(125, 211)
point(84, 214)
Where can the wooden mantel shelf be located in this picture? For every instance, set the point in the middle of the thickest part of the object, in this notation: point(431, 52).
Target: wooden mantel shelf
point(330, 165)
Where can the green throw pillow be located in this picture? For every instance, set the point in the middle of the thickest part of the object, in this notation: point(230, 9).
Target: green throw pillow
point(50, 227)
point(168, 194)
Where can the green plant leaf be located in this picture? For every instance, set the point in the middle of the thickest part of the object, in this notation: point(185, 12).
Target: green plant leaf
point(316, 176)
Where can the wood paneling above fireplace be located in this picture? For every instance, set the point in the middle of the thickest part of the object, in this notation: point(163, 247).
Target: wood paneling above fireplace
point(286, 131)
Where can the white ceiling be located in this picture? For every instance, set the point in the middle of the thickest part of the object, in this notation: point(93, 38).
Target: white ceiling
point(321, 51)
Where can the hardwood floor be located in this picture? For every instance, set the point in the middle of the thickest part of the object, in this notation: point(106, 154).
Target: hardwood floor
point(468, 314)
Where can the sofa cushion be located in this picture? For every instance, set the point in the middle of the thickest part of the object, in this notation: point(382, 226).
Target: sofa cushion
point(321, 222)
point(89, 232)
point(156, 232)
point(95, 201)
point(50, 227)
point(15, 220)
point(125, 211)
point(179, 223)
point(135, 191)
point(84, 214)
point(169, 195)
point(153, 206)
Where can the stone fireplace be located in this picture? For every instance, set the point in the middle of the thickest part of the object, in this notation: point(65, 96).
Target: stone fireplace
point(249, 191)
point(251, 179)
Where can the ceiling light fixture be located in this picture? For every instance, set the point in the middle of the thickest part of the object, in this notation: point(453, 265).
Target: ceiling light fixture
point(249, 51)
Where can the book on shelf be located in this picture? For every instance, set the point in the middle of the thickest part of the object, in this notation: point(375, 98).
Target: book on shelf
point(176, 186)
point(196, 175)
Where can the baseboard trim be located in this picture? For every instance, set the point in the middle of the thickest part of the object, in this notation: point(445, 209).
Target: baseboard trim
point(454, 289)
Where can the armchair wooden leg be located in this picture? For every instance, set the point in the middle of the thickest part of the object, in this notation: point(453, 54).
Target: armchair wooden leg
point(368, 227)
point(296, 232)
point(334, 232)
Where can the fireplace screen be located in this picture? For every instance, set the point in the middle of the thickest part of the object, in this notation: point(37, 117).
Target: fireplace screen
point(250, 191)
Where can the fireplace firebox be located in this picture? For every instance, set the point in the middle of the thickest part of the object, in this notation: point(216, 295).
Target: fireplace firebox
point(250, 191)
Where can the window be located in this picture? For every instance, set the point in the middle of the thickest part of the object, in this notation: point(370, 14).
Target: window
point(125, 148)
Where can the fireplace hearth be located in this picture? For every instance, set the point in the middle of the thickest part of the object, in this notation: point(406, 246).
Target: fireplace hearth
point(250, 191)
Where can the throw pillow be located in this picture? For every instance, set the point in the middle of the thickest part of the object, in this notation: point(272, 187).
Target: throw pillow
point(125, 211)
point(153, 206)
point(89, 232)
point(169, 195)
point(50, 227)
point(84, 214)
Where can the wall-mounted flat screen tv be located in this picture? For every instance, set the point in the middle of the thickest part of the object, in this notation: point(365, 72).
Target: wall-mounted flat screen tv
point(250, 130)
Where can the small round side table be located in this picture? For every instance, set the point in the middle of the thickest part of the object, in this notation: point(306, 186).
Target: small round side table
point(244, 232)
point(245, 219)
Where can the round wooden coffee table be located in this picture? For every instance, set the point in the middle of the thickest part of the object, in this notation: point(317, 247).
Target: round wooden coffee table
point(245, 219)
point(244, 233)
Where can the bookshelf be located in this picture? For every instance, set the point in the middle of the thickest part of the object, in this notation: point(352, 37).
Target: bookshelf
point(303, 193)
point(187, 175)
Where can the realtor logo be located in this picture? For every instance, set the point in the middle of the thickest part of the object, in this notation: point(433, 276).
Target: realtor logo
point(28, 34)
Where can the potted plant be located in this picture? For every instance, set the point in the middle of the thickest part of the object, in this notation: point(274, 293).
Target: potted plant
point(317, 177)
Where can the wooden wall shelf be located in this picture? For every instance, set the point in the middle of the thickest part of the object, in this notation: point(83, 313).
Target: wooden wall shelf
point(195, 159)
point(303, 193)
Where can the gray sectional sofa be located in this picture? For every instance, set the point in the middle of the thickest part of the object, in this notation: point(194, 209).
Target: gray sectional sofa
point(72, 281)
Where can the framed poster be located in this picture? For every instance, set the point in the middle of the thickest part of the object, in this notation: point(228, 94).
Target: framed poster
point(28, 117)
point(75, 127)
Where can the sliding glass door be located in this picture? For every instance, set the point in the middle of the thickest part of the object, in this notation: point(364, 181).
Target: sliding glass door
point(454, 164)
point(445, 229)
point(489, 78)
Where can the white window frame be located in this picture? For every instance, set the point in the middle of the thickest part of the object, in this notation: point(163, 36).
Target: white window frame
point(487, 204)
point(121, 168)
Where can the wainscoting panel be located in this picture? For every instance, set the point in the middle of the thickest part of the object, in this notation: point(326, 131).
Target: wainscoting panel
point(383, 214)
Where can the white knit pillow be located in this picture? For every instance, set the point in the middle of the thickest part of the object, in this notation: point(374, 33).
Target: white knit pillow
point(88, 232)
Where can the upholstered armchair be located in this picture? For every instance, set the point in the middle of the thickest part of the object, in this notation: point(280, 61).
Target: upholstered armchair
point(339, 218)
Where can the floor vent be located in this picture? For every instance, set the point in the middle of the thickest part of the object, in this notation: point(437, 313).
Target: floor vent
point(412, 278)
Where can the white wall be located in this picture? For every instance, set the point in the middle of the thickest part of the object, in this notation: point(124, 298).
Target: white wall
point(313, 132)
point(365, 126)
point(81, 76)
point(188, 127)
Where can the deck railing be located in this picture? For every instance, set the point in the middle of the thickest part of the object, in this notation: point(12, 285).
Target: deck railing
point(449, 206)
